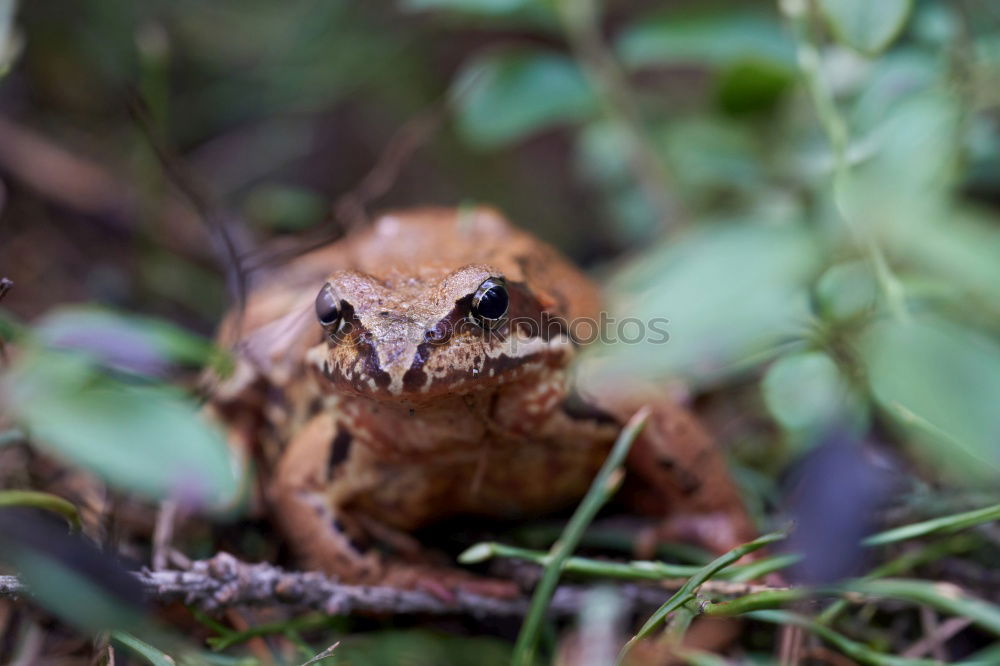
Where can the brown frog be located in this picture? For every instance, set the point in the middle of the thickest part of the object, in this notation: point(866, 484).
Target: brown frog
point(418, 370)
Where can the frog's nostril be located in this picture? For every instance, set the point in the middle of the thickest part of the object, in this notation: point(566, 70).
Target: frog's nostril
point(438, 333)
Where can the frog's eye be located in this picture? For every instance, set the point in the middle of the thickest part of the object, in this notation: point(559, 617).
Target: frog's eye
point(326, 308)
point(490, 303)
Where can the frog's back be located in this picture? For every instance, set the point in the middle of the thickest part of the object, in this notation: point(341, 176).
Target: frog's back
point(426, 243)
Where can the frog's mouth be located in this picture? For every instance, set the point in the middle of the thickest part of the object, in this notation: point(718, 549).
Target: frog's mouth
point(464, 368)
point(395, 369)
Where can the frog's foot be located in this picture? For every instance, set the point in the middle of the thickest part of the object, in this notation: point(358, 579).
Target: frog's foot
point(333, 550)
point(316, 526)
point(321, 539)
point(340, 544)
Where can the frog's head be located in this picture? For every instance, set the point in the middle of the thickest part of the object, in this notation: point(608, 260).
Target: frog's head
point(438, 332)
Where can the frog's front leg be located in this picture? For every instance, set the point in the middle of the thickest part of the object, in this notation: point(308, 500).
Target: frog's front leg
point(309, 512)
point(322, 470)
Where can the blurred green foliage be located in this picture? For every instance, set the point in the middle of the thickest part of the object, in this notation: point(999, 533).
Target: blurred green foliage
point(503, 97)
point(868, 27)
point(87, 385)
point(834, 167)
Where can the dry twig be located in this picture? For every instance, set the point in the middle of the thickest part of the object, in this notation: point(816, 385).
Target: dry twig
point(935, 640)
point(225, 582)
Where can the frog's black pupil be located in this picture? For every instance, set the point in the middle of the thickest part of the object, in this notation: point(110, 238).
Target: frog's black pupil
point(326, 308)
point(493, 303)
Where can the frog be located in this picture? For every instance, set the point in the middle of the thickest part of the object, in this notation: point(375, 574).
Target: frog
point(421, 369)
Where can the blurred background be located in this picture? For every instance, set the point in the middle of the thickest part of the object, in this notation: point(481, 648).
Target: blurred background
point(807, 189)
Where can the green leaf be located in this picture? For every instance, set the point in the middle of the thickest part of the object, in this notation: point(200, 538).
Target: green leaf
point(714, 38)
point(890, 81)
point(868, 26)
point(716, 154)
point(141, 345)
point(142, 437)
point(940, 383)
point(846, 291)
point(806, 393)
point(750, 86)
point(602, 155)
point(727, 298)
point(505, 96)
point(963, 252)
point(907, 179)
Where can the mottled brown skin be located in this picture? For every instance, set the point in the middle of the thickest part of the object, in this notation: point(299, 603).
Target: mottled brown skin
point(414, 413)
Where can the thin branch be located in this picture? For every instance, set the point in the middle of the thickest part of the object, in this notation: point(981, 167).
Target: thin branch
point(352, 208)
point(225, 582)
point(222, 225)
point(937, 638)
point(163, 533)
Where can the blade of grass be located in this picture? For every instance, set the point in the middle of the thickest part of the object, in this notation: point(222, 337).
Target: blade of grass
point(765, 599)
point(602, 487)
point(38, 500)
point(678, 624)
point(151, 654)
point(946, 524)
point(301, 623)
point(854, 650)
point(903, 563)
point(634, 570)
point(688, 590)
point(944, 597)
